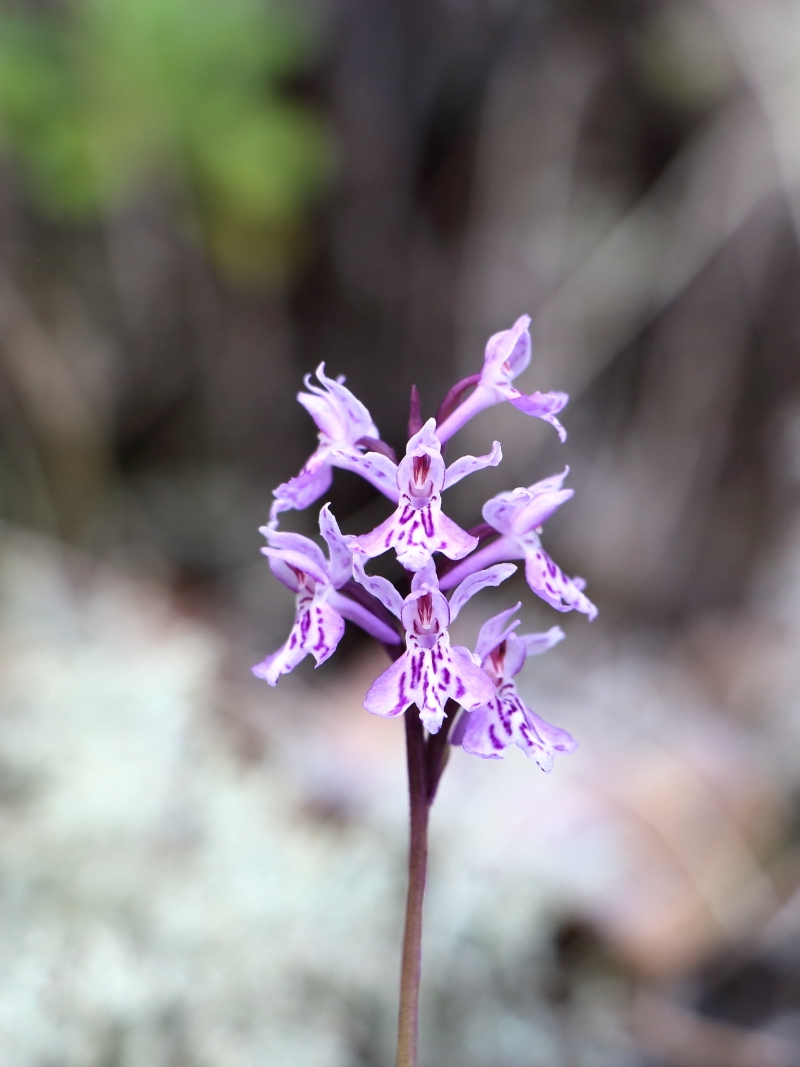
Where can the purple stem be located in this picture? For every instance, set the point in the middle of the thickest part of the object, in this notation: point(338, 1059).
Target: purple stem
point(407, 1031)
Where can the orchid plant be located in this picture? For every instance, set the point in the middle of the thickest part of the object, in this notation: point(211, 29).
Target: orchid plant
point(446, 693)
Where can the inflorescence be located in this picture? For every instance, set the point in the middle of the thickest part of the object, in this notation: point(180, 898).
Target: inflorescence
point(431, 671)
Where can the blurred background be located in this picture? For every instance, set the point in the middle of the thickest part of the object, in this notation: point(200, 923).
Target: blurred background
point(200, 201)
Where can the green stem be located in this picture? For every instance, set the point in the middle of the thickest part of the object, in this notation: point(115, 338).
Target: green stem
point(417, 868)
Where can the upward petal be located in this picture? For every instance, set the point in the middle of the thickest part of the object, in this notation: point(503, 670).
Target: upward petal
point(341, 564)
point(354, 420)
point(473, 584)
point(380, 588)
point(495, 630)
point(469, 464)
point(511, 347)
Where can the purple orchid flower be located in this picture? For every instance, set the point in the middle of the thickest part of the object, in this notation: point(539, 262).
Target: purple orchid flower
point(518, 516)
point(418, 528)
point(321, 609)
point(505, 719)
point(508, 353)
point(345, 428)
point(430, 671)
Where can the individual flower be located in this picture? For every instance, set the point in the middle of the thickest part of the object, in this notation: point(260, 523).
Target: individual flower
point(345, 430)
point(505, 719)
point(518, 516)
point(508, 353)
point(430, 671)
point(320, 608)
point(418, 527)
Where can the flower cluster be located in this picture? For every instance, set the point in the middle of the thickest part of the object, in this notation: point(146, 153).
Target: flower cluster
point(439, 557)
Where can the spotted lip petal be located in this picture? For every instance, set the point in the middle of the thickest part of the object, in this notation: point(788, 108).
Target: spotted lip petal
point(508, 353)
point(418, 527)
point(317, 630)
point(430, 672)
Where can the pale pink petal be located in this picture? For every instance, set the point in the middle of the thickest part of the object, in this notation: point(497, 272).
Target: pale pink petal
point(309, 485)
point(544, 406)
point(479, 733)
point(363, 617)
point(514, 658)
point(374, 467)
point(549, 582)
point(390, 693)
point(501, 549)
point(380, 588)
point(502, 509)
point(469, 464)
point(511, 347)
point(300, 562)
point(473, 584)
point(536, 644)
point(340, 568)
point(317, 631)
point(495, 630)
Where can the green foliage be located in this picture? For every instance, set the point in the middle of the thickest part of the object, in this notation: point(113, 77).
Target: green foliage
point(106, 99)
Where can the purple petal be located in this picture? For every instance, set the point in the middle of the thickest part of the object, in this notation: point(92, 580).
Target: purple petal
point(424, 440)
point(317, 631)
point(363, 617)
point(472, 686)
point(300, 562)
point(284, 539)
point(549, 736)
point(536, 644)
point(479, 733)
point(309, 485)
point(469, 464)
point(380, 588)
point(549, 582)
point(374, 467)
point(390, 693)
point(539, 510)
point(544, 406)
point(501, 549)
point(494, 631)
point(345, 417)
point(505, 720)
point(512, 347)
point(425, 578)
point(341, 565)
point(281, 662)
point(514, 658)
point(502, 509)
point(415, 534)
point(473, 584)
